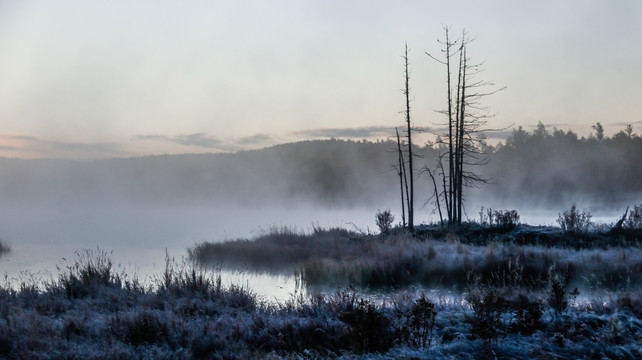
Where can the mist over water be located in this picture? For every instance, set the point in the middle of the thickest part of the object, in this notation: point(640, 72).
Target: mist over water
point(138, 209)
point(138, 235)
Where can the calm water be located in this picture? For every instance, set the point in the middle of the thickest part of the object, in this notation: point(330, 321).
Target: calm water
point(137, 237)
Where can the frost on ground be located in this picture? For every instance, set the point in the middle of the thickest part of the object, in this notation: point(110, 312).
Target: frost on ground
point(92, 312)
point(439, 258)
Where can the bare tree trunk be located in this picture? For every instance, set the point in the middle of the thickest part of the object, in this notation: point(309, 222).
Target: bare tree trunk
point(460, 159)
point(454, 165)
point(405, 178)
point(401, 173)
point(466, 119)
point(443, 178)
point(434, 183)
point(450, 129)
point(407, 94)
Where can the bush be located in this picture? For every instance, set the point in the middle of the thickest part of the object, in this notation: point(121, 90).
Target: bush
point(421, 322)
point(573, 220)
point(487, 305)
point(507, 219)
point(527, 314)
point(369, 328)
point(384, 220)
point(558, 297)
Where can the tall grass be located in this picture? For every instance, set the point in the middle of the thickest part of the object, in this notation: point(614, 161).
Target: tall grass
point(188, 314)
point(340, 258)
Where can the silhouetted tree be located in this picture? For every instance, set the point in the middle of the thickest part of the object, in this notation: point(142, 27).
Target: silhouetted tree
point(466, 119)
point(411, 176)
point(403, 179)
point(599, 131)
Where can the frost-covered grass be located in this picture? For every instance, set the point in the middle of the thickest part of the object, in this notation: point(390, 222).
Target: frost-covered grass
point(339, 257)
point(90, 311)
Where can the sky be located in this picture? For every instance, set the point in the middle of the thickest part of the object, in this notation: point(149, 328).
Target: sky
point(101, 79)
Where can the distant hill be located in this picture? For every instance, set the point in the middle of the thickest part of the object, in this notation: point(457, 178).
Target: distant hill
point(536, 169)
point(332, 172)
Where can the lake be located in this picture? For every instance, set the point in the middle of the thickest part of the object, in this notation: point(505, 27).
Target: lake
point(138, 236)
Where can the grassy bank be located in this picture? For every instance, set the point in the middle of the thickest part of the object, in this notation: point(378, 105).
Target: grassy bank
point(338, 257)
point(91, 311)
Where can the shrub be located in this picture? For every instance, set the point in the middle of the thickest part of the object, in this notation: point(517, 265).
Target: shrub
point(574, 220)
point(558, 298)
point(421, 322)
point(488, 306)
point(507, 219)
point(527, 314)
point(485, 216)
point(369, 329)
point(384, 220)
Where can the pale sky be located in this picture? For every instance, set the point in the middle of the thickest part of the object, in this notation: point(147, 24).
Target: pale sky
point(98, 79)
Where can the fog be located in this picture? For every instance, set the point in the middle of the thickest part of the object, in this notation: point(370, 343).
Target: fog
point(139, 208)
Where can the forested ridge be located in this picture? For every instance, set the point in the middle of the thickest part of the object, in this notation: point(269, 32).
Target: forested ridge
point(542, 167)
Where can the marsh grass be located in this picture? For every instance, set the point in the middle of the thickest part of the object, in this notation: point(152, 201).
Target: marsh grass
point(278, 250)
point(337, 257)
point(91, 272)
point(189, 314)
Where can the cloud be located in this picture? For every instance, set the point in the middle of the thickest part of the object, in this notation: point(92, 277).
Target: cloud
point(196, 139)
point(254, 139)
point(200, 140)
point(210, 142)
point(354, 132)
point(32, 146)
point(625, 123)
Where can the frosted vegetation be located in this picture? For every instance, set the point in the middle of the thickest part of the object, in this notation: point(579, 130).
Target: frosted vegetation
point(497, 248)
point(91, 311)
point(522, 292)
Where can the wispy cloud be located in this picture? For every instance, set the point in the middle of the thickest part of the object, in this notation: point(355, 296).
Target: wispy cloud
point(348, 132)
point(622, 123)
point(201, 140)
point(31, 146)
point(213, 143)
point(259, 139)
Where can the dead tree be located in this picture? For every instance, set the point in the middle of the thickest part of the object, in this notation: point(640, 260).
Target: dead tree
point(406, 93)
point(436, 194)
point(466, 120)
point(401, 172)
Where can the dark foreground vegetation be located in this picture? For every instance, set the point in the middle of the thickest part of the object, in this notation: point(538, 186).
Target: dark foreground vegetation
point(90, 311)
